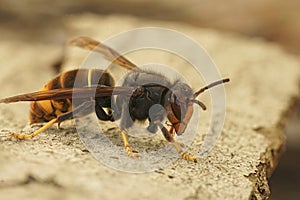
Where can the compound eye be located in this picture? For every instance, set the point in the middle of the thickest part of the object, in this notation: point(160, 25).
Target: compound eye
point(179, 107)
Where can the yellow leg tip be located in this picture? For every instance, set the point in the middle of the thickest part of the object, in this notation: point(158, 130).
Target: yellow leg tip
point(184, 155)
point(131, 153)
point(128, 149)
point(22, 136)
point(189, 157)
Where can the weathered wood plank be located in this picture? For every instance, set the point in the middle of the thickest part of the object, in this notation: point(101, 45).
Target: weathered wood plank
point(264, 80)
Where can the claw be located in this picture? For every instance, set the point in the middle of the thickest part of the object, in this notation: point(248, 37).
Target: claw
point(183, 154)
point(22, 136)
point(189, 157)
point(130, 152)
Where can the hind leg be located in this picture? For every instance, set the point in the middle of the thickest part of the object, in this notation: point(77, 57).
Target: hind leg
point(81, 110)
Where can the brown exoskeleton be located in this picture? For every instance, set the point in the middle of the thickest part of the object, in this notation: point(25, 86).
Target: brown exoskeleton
point(144, 95)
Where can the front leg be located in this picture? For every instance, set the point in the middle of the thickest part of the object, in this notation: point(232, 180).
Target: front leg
point(169, 136)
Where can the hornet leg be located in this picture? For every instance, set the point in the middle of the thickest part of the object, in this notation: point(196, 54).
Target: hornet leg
point(81, 110)
point(169, 136)
point(128, 149)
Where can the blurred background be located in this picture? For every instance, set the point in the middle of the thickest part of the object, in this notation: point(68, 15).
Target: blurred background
point(273, 20)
